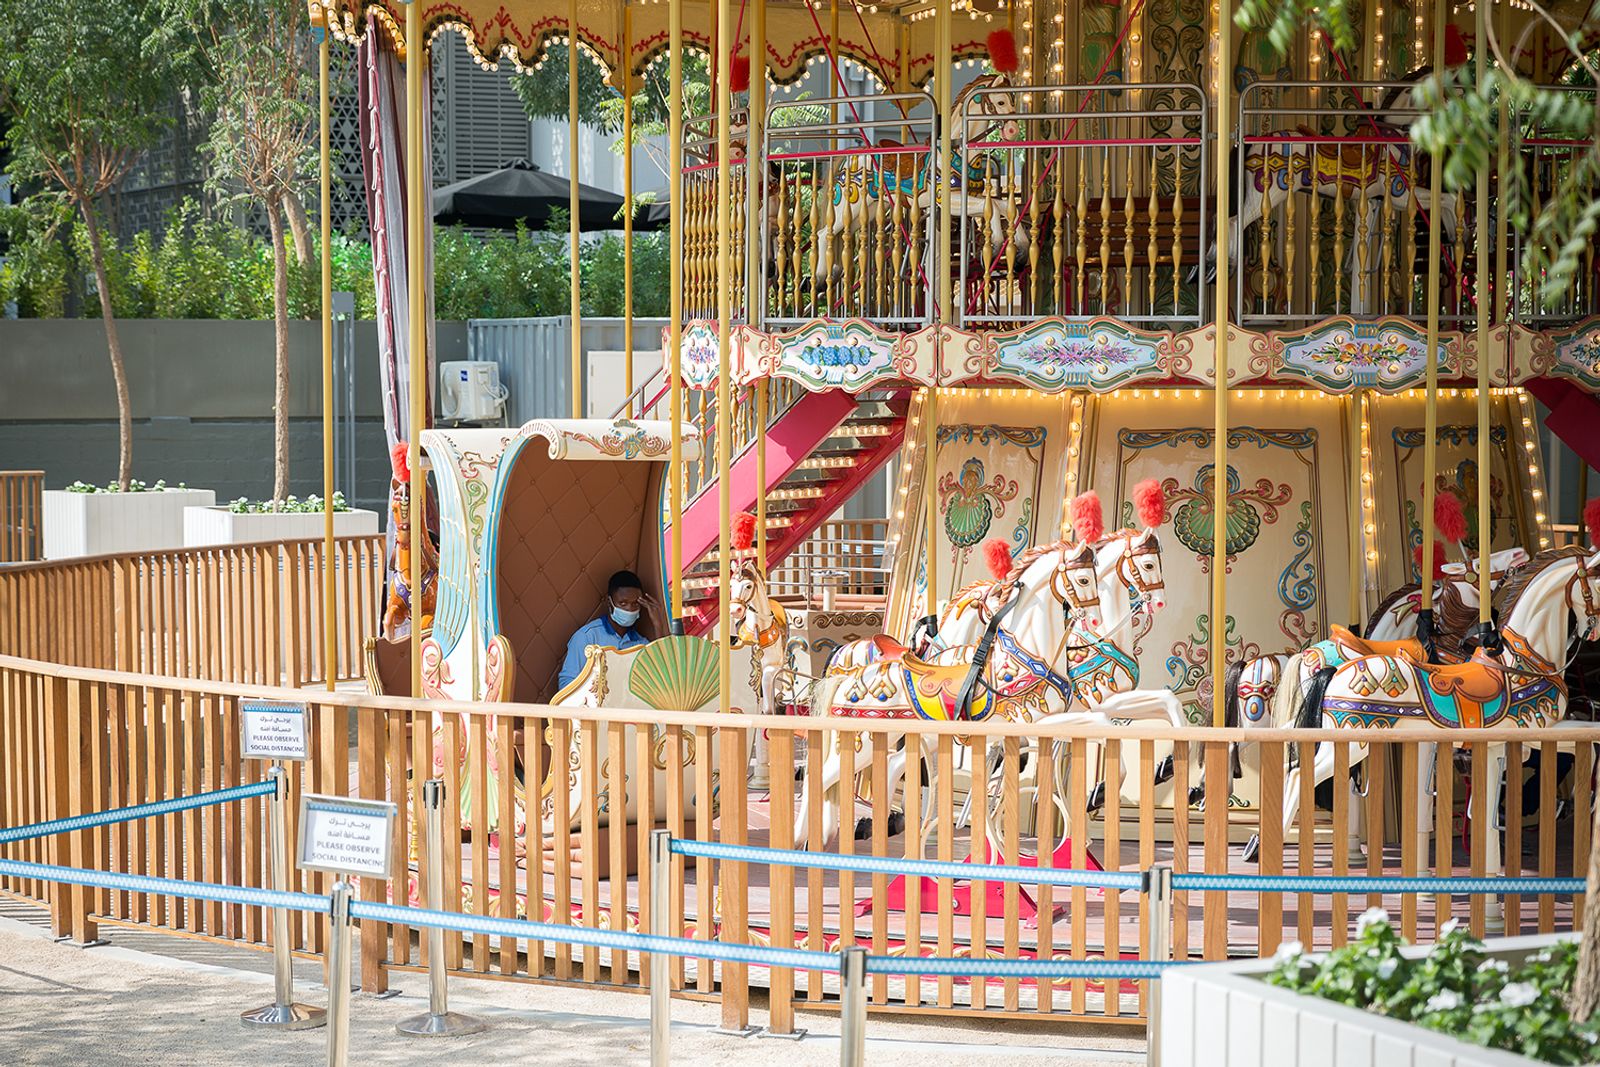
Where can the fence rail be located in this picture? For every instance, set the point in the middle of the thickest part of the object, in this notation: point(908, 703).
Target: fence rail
point(236, 613)
point(566, 848)
point(21, 508)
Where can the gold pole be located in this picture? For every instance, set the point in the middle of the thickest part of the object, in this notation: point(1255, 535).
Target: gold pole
point(673, 356)
point(329, 637)
point(724, 360)
point(1430, 432)
point(1482, 222)
point(1219, 470)
point(943, 71)
point(755, 300)
point(627, 197)
point(572, 207)
point(416, 289)
point(1357, 517)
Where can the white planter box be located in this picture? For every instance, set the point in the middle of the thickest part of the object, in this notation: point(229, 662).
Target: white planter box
point(219, 526)
point(1226, 1014)
point(93, 524)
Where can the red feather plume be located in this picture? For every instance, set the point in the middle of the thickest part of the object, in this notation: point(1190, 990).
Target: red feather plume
point(739, 76)
point(1150, 502)
point(1591, 520)
point(1438, 559)
point(997, 554)
point(399, 461)
point(743, 534)
point(1003, 51)
point(1088, 517)
point(1449, 521)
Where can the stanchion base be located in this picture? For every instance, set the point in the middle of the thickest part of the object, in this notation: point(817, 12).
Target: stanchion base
point(791, 1035)
point(286, 1017)
point(96, 943)
point(743, 1031)
point(450, 1024)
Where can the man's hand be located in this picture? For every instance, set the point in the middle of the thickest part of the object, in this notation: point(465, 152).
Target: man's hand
point(654, 612)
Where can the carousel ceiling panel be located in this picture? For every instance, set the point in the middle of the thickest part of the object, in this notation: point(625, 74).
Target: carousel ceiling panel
point(889, 40)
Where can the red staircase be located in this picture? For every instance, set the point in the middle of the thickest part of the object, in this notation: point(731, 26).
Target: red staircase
point(820, 450)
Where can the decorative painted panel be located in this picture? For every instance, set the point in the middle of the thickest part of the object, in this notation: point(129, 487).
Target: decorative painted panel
point(1051, 355)
point(836, 355)
point(988, 486)
point(1342, 354)
point(1573, 354)
point(1457, 474)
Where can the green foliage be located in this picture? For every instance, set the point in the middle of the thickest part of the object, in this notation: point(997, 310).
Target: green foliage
point(1457, 988)
point(204, 268)
point(288, 505)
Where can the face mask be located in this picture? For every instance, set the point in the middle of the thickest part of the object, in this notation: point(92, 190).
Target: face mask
point(623, 618)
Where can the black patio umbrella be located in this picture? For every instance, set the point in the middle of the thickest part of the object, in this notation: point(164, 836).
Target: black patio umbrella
point(521, 191)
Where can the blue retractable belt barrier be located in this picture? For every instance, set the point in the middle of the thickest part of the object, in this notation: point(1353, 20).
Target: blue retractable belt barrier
point(835, 861)
point(1093, 969)
point(169, 887)
point(137, 811)
point(616, 940)
point(1270, 883)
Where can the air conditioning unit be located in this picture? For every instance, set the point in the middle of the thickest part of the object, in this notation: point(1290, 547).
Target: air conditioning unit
point(471, 392)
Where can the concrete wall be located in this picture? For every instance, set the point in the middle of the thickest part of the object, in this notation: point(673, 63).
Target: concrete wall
point(201, 393)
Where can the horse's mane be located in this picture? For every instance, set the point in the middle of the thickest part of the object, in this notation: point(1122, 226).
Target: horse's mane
point(1511, 590)
point(1389, 602)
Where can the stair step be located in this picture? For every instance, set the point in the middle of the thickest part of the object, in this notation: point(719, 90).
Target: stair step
point(796, 492)
point(831, 461)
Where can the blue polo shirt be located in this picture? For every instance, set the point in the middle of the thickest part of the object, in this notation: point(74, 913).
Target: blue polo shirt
point(601, 631)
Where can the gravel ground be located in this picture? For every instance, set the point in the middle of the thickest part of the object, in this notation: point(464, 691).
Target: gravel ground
point(148, 998)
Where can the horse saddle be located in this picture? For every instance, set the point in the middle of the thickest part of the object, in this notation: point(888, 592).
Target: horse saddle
point(1478, 687)
point(934, 689)
point(1407, 647)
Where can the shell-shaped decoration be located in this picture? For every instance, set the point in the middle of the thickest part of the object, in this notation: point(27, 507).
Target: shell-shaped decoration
point(675, 673)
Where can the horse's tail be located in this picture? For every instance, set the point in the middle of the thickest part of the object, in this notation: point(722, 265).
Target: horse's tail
point(1286, 701)
point(1230, 691)
point(822, 692)
point(1310, 714)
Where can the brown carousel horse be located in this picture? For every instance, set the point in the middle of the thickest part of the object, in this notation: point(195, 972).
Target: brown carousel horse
point(397, 613)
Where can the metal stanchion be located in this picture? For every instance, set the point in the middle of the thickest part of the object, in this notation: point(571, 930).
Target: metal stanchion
point(853, 1009)
point(1158, 888)
point(283, 1012)
point(339, 976)
point(660, 982)
point(438, 1020)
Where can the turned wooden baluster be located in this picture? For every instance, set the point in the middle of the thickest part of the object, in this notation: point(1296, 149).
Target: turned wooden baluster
point(821, 192)
point(897, 247)
point(780, 247)
point(1412, 270)
point(1129, 212)
point(987, 248)
point(845, 221)
point(1009, 248)
point(1105, 232)
point(1083, 230)
point(1314, 162)
point(912, 276)
point(1386, 232)
point(1058, 251)
point(1177, 227)
point(1338, 229)
point(1035, 214)
point(878, 237)
point(1363, 226)
point(1289, 230)
point(1152, 248)
point(797, 250)
point(1266, 227)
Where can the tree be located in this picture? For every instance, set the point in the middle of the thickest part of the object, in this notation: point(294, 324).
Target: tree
point(256, 65)
point(1467, 121)
point(83, 106)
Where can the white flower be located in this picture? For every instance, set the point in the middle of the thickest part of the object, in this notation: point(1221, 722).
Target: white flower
point(1289, 950)
point(1493, 967)
point(1519, 994)
point(1449, 927)
point(1387, 968)
point(1444, 1000)
point(1371, 917)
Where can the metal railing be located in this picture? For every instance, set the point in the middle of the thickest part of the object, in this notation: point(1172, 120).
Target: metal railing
point(843, 557)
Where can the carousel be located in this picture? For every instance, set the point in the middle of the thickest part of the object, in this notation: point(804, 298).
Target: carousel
point(1204, 403)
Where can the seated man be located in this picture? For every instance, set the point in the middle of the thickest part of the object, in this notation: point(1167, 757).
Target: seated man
point(617, 626)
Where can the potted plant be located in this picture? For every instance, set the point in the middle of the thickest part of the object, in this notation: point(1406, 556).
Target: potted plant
point(1378, 1000)
point(245, 520)
point(92, 520)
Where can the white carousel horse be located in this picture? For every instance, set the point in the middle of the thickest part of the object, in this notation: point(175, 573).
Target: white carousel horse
point(862, 178)
point(1396, 690)
point(1054, 592)
point(1252, 683)
point(761, 622)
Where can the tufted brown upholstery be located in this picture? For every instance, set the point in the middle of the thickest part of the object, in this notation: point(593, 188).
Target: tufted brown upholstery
point(388, 667)
point(564, 528)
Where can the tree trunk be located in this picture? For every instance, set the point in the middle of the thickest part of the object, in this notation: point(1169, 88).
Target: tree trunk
point(119, 373)
point(1585, 995)
point(280, 346)
point(299, 228)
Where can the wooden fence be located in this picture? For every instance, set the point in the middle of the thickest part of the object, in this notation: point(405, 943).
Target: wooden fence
point(237, 613)
point(76, 740)
point(21, 506)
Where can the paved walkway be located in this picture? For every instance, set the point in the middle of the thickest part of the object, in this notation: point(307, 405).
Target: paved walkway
point(150, 998)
